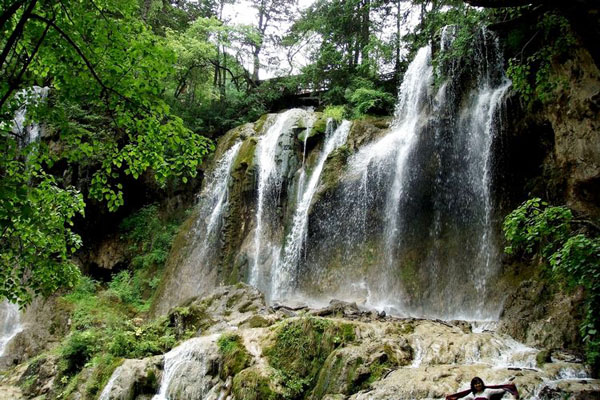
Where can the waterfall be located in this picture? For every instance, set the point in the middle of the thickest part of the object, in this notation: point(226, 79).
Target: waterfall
point(28, 133)
point(212, 205)
point(191, 359)
point(284, 277)
point(413, 218)
point(10, 323)
point(270, 178)
point(197, 265)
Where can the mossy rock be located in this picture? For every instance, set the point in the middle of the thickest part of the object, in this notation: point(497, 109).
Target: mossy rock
point(542, 358)
point(259, 125)
point(333, 171)
point(351, 369)
point(189, 319)
point(319, 127)
point(245, 158)
point(299, 350)
point(257, 321)
point(251, 384)
point(234, 353)
point(230, 138)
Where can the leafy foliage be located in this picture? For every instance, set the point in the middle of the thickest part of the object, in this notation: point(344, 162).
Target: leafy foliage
point(36, 239)
point(530, 71)
point(574, 257)
point(104, 116)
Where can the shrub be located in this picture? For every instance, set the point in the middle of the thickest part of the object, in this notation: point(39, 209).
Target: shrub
point(79, 349)
point(535, 228)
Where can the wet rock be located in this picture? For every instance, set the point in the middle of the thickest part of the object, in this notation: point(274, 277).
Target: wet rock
point(350, 369)
point(537, 317)
point(134, 378)
point(338, 308)
point(39, 376)
point(574, 390)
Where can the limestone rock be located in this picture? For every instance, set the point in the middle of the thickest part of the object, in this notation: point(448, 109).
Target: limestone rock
point(134, 378)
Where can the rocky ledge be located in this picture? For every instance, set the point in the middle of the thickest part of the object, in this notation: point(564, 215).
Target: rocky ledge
point(243, 349)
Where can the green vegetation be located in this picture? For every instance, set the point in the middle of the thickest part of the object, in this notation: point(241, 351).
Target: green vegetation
point(571, 252)
point(108, 320)
point(530, 69)
point(300, 349)
point(235, 355)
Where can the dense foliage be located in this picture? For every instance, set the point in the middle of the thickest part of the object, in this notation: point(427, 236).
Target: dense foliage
point(571, 253)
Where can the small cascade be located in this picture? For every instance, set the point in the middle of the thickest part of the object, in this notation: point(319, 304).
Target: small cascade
point(284, 277)
point(106, 392)
point(28, 133)
point(192, 359)
point(271, 168)
point(212, 206)
point(10, 323)
point(204, 242)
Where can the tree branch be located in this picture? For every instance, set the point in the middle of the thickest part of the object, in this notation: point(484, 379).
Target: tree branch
point(16, 32)
point(87, 62)
point(10, 11)
point(14, 84)
point(504, 3)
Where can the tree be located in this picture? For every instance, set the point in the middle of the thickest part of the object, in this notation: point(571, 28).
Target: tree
point(268, 13)
point(106, 72)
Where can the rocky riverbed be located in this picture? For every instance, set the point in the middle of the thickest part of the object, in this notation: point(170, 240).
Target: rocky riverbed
point(243, 349)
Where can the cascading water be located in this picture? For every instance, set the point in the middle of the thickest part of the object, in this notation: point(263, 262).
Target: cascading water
point(10, 323)
point(213, 202)
point(431, 252)
point(284, 276)
point(191, 358)
point(204, 243)
point(28, 133)
point(271, 168)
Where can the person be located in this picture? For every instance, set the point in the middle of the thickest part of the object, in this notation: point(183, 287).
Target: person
point(479, 391)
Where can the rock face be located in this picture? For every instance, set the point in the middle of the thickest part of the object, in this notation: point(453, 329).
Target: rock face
point(538, 317)
point(44, 323)
point(134, 379)
point(350, 354)
point(575, 119)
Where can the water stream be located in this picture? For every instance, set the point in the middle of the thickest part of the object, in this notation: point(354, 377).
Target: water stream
point(10, 323)
point(284, 276)
point(191, 358)
point(271, 166)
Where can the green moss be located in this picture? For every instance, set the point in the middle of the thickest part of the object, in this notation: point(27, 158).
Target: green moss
point(231, 301)
point(249, 384)
point(333, 170)
point(104, 366)
point(235, 356)
point(260, 123)
point(186, 321)
point(300, 349)
point(542, 358)
point(257, 321)
point(245, 157)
